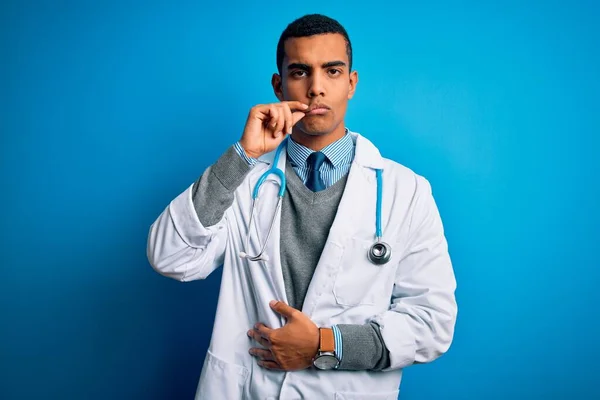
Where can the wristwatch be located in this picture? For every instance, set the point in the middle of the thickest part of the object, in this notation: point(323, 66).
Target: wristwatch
point(326, 358)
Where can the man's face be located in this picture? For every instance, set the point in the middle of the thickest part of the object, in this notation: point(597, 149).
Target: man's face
point(316, 72)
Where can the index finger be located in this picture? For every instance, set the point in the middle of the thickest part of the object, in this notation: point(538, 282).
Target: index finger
point(264, 330)
point(296, 105)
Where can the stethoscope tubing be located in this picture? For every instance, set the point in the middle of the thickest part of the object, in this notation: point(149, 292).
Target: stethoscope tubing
point(379, 253)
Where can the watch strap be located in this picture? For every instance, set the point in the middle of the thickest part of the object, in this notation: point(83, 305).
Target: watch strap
point(326, 340)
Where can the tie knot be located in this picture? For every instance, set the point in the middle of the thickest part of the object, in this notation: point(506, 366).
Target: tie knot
point(315, 160)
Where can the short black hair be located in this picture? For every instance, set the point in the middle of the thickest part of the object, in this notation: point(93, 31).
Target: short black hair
point(309, 25)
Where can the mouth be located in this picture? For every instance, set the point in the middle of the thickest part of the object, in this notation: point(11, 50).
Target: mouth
point(317, 109)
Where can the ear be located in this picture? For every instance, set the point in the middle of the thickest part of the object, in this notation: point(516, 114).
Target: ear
point(353, 82)
point(277, 83)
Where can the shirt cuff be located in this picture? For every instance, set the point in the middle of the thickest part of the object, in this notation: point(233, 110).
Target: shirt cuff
point(337, 335)
point(240, 150)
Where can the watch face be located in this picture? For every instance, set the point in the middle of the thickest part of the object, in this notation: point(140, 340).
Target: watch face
point(326, 361)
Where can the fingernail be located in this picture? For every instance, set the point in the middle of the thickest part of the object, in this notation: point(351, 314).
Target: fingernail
point(272, 303)
point(249, 333)
point(256, 325)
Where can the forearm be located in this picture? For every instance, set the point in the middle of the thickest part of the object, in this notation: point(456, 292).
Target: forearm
point(362, 348)
point(213, 192)
point(186, 242)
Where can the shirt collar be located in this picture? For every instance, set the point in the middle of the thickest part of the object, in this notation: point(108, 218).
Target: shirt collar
point(337, 152)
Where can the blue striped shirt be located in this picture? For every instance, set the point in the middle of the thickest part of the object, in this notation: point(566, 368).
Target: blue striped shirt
point(339, 158)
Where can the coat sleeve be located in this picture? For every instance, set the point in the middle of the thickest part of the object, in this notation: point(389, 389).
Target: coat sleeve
point(187, 241)
point(419, 325)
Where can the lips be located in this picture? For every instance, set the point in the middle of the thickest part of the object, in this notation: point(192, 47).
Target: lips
point(316, 109)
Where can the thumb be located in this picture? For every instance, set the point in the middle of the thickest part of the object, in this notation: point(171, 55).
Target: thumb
point(281, 308)
point(297, 116)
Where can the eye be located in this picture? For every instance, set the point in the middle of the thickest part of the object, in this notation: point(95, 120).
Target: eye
point(298, 74)
point(334, 72)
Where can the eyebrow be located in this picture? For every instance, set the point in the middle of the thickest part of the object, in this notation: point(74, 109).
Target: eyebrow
point(307, 67)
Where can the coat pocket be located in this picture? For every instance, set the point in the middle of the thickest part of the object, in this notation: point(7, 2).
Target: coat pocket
point(221, 380)
point(359, 281)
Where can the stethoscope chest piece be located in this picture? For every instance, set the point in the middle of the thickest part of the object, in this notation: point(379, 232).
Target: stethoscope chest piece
point(380, 253)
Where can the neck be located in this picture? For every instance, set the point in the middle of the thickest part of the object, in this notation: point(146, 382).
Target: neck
point(319, 142)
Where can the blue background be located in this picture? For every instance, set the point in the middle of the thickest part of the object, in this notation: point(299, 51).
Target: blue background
point(110, 109)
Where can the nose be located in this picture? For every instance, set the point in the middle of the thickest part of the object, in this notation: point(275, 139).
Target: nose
point(317, 86)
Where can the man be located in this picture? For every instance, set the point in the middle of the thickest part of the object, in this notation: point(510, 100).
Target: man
point(313, 316)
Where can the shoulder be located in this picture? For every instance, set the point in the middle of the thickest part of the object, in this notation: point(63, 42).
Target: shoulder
point(404, 178)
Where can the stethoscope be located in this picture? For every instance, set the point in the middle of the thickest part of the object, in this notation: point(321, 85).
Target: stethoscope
point(379, 253)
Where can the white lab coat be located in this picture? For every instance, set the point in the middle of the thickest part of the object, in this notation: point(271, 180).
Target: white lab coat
point(411, 297)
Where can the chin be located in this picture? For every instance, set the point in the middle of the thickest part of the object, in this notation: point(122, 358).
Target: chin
point(316, 129)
